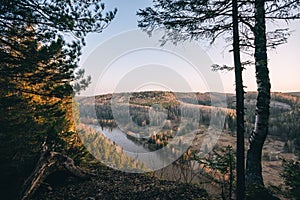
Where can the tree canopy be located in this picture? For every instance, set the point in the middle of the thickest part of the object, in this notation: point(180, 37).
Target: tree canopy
point(40, 45)
point(210, 19)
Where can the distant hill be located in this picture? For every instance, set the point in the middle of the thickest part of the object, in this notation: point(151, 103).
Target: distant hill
point(280, 102)
point(283, 101)
point(284, 110)
point(294, 93)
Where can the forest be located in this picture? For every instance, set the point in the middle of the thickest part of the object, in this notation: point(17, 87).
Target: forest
point(50, 148)
point(284, 113)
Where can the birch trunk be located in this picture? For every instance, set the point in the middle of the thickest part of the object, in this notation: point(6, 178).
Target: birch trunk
point(258, 135)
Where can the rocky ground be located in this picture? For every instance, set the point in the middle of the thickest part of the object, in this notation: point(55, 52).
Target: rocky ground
point(111, 184)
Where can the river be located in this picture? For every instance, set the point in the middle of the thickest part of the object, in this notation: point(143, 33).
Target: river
point(152, 159)
point(122, 140)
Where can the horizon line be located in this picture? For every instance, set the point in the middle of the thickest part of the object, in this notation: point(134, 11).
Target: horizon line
point(227, 93)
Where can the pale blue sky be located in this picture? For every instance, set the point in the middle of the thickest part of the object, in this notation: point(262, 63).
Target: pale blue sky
point(284, 62)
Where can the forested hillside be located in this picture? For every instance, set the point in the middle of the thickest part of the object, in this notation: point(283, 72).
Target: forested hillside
point(284, 118)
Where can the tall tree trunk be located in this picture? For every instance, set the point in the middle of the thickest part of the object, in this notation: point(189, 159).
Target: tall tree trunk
point(240, 164)
point(258, 135)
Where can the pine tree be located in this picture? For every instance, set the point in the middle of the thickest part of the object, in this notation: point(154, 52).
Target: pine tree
point(191, 19)
point(37, 68)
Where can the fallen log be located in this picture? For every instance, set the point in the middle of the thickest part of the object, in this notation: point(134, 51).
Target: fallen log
point(49, 163)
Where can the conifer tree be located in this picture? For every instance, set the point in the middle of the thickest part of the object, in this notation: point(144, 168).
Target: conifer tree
point(38, 67)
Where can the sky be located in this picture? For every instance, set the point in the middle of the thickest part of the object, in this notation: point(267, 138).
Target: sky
point(122, 58)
